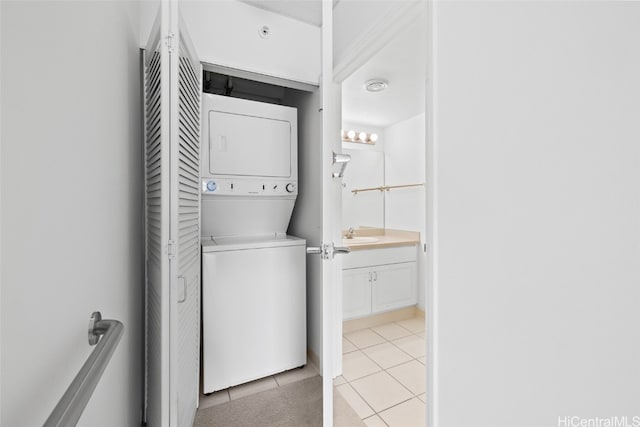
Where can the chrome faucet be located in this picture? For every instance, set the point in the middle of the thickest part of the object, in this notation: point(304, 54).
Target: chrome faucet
point(349, 234)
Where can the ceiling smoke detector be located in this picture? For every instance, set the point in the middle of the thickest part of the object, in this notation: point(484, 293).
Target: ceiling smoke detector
point(376, 85)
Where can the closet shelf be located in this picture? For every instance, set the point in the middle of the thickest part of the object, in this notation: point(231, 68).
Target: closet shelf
point(385, 188)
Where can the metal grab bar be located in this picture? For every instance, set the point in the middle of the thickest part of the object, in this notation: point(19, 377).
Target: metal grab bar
point(68, 410)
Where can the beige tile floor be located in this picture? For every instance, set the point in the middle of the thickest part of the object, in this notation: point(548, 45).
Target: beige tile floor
point(383, 373)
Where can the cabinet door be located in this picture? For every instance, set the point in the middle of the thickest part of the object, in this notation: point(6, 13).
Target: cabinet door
point(356, 292)
point(393, 286)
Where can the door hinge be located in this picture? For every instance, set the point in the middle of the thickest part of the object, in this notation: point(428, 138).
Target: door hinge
point(170, 40)
point(171, 249)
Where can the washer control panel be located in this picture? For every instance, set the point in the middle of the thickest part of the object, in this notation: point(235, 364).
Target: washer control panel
point(245, 187)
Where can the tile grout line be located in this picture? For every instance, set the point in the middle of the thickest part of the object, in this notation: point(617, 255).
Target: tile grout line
point(400, 348)
point(377, 415)
point(401, 383)
point(382, 368)
point(363, 399)
point(380, 336)
point(413, 358)
point(377, 372)
point(393, 406)
point(373, 373)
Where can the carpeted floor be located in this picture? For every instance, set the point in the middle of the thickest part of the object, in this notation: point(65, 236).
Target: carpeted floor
point(294, 405)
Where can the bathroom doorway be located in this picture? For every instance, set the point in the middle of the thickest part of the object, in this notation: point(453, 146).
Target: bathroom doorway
point(382, 301)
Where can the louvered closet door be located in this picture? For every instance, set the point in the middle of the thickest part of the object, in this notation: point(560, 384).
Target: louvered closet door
point(185, 226)
point(158, 284)
point(172, 115)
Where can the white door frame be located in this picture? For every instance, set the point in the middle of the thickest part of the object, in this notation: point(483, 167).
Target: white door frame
point(431, 167)
point(358, 53)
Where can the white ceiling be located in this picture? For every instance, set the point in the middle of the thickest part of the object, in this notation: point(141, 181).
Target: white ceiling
point(402, 63)
point(309, 11)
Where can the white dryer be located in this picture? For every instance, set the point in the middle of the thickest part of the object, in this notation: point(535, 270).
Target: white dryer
point(249, 166)
point(253, 274)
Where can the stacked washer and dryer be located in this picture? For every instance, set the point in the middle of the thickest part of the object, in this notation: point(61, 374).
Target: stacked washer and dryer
point(253, 273)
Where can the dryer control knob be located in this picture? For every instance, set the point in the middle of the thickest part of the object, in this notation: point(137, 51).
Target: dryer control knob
point(211, 186)
point(291, 187)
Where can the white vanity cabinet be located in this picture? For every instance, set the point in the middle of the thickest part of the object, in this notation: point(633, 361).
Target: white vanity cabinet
point(356, 292)
point(377, 280)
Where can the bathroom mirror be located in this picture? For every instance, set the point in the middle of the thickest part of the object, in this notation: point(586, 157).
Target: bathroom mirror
point(366, 170)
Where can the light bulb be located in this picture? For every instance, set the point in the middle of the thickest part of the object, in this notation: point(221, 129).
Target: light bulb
point(373, 137)
point(351, 134)
point(363, 136)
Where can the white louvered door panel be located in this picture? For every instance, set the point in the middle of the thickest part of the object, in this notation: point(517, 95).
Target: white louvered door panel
point(172, 117)
point(157, 156)
point(186, 227)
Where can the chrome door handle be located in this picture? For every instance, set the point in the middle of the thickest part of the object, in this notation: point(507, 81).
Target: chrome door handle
point(325, 249)
point(340, 250)
point(322, 250)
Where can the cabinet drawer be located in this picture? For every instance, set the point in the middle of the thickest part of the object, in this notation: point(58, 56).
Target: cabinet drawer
point(369, 257)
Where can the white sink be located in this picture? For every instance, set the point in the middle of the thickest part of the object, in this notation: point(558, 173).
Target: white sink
point(359, 240)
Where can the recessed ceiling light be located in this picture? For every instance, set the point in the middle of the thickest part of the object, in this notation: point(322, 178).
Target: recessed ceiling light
point(376, 85)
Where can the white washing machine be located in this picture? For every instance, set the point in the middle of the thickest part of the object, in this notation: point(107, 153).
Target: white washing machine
point(254, 309)
point(253, 274)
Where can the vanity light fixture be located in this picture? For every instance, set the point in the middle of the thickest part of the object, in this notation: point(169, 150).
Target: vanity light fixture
point(359, 137)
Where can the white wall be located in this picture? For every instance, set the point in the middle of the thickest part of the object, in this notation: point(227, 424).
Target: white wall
point(536, 204)
point(149, 10)
point(306, 219)
point(226, 32)
point(352, 18)
point(404, 164)
point(71, 205)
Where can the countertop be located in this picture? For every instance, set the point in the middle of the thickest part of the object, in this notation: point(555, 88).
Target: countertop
point(376, 238)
